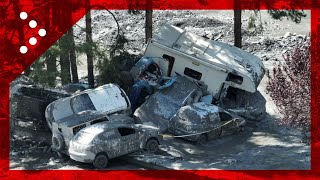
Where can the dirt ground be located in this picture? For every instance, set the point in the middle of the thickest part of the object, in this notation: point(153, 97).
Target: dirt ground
point(262, 145)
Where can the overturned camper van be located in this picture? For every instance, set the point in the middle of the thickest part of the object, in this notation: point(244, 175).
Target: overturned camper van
point(217, 64)
point(225, 69)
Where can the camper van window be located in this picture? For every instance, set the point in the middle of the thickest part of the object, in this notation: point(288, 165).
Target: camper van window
point(171, 62)
point(192, 73)
point(234, 78)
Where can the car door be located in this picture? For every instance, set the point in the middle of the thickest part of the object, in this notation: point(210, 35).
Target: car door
point(214, 125)
point(129, 140)
point(112, 143)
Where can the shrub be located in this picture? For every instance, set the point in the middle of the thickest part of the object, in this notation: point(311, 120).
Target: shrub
point(289, 86)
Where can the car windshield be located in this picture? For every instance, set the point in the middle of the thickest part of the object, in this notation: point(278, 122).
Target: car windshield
point(81, 103)
point(192, 115)
point(83, 138)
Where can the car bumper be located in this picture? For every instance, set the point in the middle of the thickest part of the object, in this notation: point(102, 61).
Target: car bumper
point(85, 157)
point(180, 132)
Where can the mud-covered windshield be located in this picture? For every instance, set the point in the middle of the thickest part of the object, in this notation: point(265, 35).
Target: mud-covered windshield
point(81, 103)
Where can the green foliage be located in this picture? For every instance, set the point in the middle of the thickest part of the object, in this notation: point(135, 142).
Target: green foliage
point(255, 26)
point(39, 73)
point(294, 15)
point(252, 22)
point(110, 66)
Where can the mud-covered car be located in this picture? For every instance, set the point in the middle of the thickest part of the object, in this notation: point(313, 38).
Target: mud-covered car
point(64, 129)
point(160, 107)
point(28, 102)
point(106, 140)
point(200, 122)
point(107, 99)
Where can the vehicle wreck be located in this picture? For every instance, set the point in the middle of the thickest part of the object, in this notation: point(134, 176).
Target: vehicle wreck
point(106, 140)
point(64, 129)
point(200, 122)
point(107, 99)
point(28, 102)
point(160, 107)
point(192, 87)
point(231, 75)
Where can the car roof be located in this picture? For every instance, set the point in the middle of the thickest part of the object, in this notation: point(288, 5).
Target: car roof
point(109, 125)
point(201, 109)
point(80, 118)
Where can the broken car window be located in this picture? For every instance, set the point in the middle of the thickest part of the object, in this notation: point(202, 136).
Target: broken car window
point(126, 131)
point(224, 116)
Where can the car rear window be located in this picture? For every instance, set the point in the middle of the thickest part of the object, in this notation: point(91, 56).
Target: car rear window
point(81, 103)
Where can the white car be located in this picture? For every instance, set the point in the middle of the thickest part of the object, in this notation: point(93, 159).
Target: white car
point(106, 99)
point(107, 140)
point(64, 129)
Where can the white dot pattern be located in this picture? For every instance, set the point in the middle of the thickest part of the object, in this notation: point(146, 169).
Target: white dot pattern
point(42, 32)
point(33, 23)
point(23, 15)
point(33, 41)
point(23, 49)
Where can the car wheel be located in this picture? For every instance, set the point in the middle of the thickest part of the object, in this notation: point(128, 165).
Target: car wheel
point(57, 142)
point(101, 161)
point(202, 139)
point(152, 145)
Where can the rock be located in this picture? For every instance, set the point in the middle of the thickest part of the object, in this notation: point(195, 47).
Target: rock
point(308, 135)
point(42, 143)
point(231, 161)
point(288, 34)
point(13, 153)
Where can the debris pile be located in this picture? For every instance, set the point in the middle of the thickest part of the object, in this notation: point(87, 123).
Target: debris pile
point(192, 86)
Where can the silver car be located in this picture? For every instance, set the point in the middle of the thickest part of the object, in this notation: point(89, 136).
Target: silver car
point(200, 122)
point(64, 129)
point(106, 140)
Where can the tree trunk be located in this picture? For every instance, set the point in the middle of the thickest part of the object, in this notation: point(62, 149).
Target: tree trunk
point(148, 28)
point(237, 24)
point(64, 60)
point(51, 69)
point(73, 60)
point(89, 48)
point(51, 59)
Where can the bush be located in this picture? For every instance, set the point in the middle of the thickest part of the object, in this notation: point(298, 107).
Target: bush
point(110, 67)
point(289, 86)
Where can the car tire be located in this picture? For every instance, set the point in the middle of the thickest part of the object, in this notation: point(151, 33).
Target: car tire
point(57, 142)
point(202, 139)
point(100, 161)
point(152, 145)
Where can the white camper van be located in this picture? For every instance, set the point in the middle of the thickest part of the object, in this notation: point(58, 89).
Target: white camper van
point(217, 64)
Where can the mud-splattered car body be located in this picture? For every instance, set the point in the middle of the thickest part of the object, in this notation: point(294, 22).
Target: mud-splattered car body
point(65, 129)
point(201, 120)
point(111, 139)
point(163, 105)
point(107, 99)
point(27, 107)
